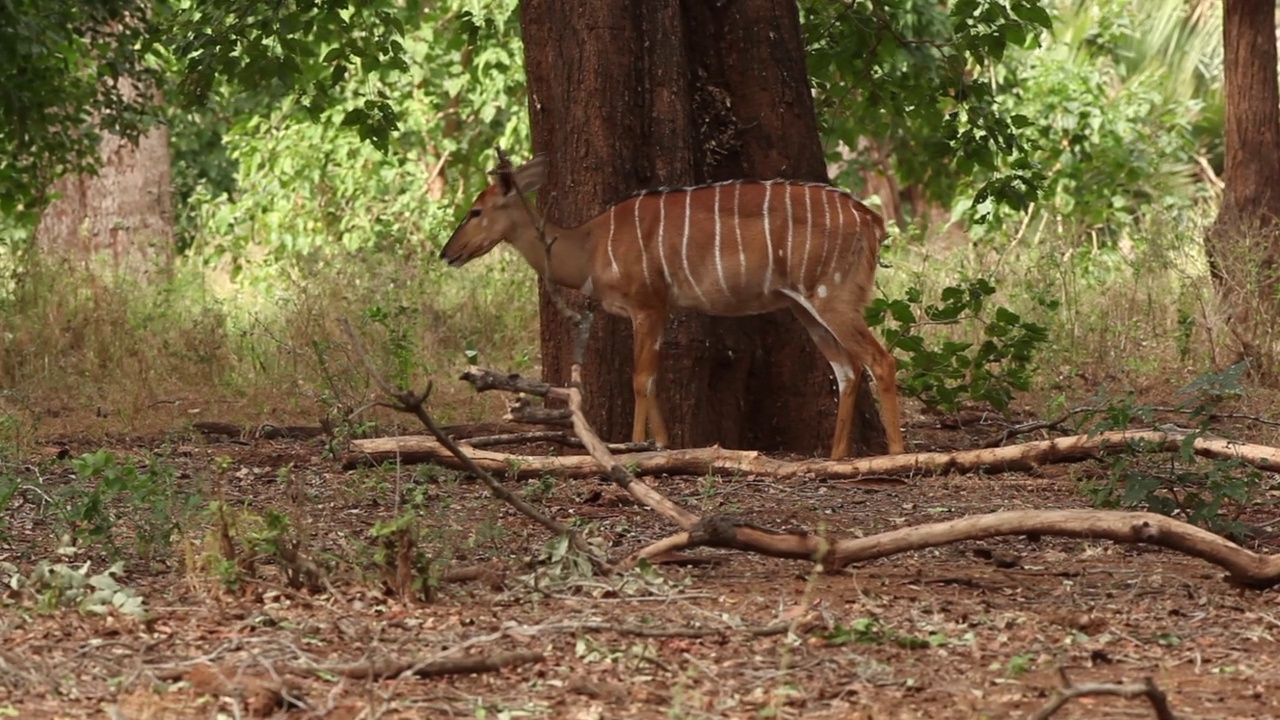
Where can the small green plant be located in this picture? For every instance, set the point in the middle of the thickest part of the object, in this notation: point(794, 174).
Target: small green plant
point(872, 631)
point(540, 490)
point(562, 561)
point(398, 344)
point(221, 556)
point(1208, 493)
point(405, 567)
point(57, 585)
point(1020, 664)
point(709, 486)
point(12, 437)
point(266, 539)
point(9, 485)
point(945, 373)
point(109, 491)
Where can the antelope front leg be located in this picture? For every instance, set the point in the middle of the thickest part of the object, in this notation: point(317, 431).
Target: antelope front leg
point(644, 380)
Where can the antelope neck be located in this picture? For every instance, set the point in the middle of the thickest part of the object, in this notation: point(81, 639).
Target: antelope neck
point(569, 253)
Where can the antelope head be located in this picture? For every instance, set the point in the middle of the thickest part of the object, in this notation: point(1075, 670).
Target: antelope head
point(497, 211)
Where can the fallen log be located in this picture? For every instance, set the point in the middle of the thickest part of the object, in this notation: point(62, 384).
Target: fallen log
point(716, 460)
point(413, 449)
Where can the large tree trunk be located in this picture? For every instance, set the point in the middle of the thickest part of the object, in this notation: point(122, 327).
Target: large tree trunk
point(1244, 244)
point(124, 212)
point(628, 96)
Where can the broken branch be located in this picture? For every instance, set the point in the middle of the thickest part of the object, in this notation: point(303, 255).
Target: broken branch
point(616, 472)
point(559, 437)
point(381, 669)
point(414, 404)
point(523, 411)
point(483, 379)
point(1147, 689)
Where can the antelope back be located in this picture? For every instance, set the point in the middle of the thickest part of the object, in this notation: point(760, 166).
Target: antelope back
point(731, 247)
point(496, 212)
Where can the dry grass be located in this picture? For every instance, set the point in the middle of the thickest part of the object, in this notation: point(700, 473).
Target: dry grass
point(1142, 316)
point(101, 352)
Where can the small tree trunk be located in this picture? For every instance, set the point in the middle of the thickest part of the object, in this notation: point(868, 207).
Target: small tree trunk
point(625, 97)
point(1243, 246)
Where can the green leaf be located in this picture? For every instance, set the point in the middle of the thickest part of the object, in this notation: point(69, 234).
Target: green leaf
point(1032, 12)
point(1006, 316)
point(902, 312)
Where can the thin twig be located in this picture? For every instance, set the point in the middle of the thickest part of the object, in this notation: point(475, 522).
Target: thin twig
point(1218, 415)
point(439, 168)
point(556, 436)
point(1069, 692)
point(415, 404)
point(1031, 427)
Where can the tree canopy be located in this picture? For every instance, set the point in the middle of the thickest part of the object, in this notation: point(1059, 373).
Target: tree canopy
point(951, 94)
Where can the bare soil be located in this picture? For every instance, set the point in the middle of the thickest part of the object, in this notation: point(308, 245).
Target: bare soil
point(944, 633)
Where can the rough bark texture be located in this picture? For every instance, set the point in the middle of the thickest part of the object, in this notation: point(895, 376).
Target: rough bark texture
point(125, 211)
point(628, 96)
point(1244, 244)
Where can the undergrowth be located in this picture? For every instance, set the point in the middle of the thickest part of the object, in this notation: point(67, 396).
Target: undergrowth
point(1045, 319)
point(993, 322)
point(132, 355)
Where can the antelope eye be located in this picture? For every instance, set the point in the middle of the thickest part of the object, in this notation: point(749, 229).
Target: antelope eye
point(475, 213)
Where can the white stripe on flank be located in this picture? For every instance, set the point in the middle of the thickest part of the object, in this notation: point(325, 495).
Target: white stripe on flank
point(768, 242)
point(808, 236)
point(835, 261)
point(786, 261)
point(719, 259)
point(662, 226)
point(826, 234)
point(737, 229)
point(613, 262)
point(644, 256)
point(684, 247)
point(857, 230)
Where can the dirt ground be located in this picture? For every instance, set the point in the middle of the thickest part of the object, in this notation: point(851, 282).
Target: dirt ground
point(943, 633)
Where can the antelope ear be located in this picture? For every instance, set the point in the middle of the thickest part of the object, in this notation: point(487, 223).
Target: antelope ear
point(505, 183)
point(531, 175)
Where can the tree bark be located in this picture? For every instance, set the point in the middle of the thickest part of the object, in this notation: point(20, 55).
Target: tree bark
point(125, 211)
point(629, 96)
point(1243, 246)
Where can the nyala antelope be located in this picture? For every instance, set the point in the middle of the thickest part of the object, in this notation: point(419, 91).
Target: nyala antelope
point(733, 248)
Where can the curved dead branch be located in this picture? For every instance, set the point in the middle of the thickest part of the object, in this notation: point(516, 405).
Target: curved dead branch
point(1070, 691)
point(1245, 568)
